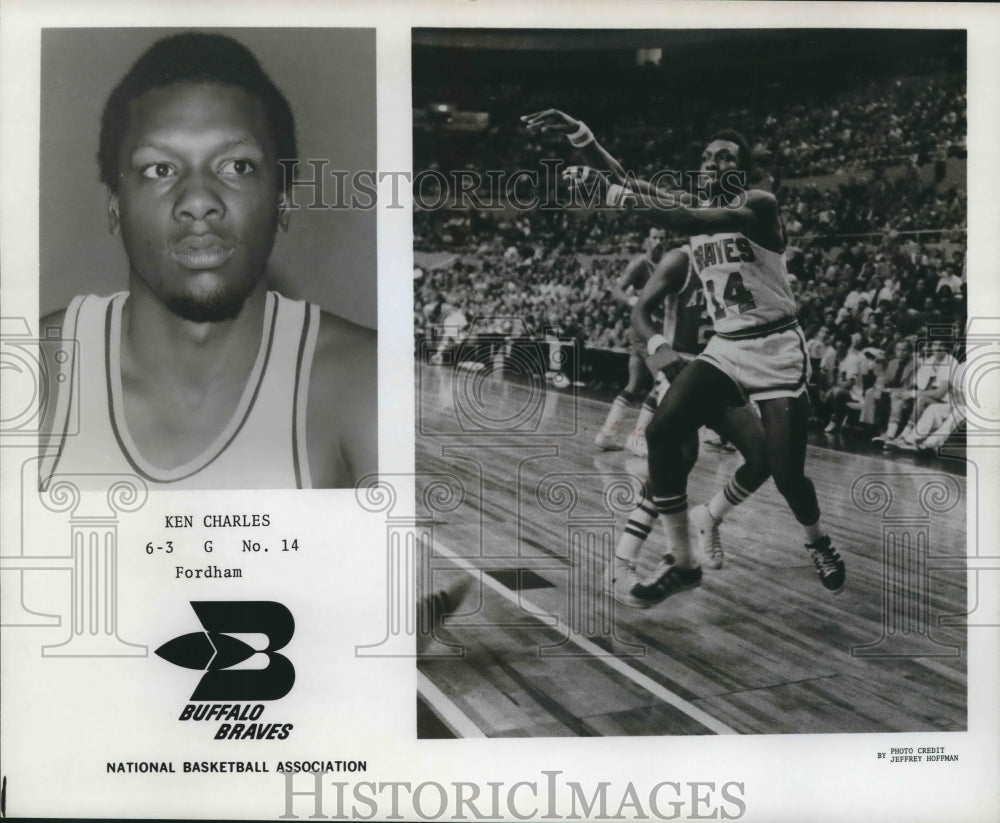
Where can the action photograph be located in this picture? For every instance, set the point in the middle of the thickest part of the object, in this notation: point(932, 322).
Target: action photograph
point(689, 317)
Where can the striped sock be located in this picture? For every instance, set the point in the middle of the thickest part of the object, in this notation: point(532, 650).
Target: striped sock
point(674, 511)
point(647, 411)
point(727, 499)
point(660, 389)
point(620, 407)
point(637, 529)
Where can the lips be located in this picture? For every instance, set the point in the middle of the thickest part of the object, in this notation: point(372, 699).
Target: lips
point(199, 252)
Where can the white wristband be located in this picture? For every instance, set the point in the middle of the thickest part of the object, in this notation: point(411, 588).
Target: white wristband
point(583, 136)
point(617, 195)
point(654, 343)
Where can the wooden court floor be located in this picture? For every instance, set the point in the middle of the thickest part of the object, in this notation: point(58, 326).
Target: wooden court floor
point(518, 510)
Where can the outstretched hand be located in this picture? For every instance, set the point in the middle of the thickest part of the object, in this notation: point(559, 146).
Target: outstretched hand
point(580, 175)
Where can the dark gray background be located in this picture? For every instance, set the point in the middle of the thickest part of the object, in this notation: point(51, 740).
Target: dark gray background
point(328, 76)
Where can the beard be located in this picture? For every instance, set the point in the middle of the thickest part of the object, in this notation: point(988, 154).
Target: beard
point(208, 307)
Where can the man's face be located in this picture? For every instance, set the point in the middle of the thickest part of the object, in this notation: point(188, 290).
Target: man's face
point(198, 197)
point(655, 242)
point(718, 157)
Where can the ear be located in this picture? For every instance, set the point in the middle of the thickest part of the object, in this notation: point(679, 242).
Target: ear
point(114, 219)
point(284, 212)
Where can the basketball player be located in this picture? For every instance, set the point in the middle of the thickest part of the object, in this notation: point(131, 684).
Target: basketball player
point(758, 350)
point(198, 376)
point(634, 277)
point(675, 286)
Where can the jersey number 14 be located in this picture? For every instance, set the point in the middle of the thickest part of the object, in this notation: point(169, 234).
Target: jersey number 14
point(735, 296)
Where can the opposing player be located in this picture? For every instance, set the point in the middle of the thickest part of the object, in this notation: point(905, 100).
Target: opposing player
point(758, 351)
point(675, 286)
point(198, 376)
point(632, 280)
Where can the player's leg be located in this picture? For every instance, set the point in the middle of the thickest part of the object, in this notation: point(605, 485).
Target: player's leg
point(786, 431)
point(638, 379)
point(637, 529)
point(688, 403)
point(742, 427)
point(636, 442)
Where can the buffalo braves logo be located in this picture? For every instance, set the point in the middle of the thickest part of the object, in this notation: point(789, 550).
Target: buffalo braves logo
point(214, 651)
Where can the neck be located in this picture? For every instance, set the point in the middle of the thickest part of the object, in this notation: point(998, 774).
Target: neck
point(160, 344)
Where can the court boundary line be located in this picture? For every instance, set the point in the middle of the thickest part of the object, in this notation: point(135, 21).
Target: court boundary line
point(446, 710)
point(641, 680)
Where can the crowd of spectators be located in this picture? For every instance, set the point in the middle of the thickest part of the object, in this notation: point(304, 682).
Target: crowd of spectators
point(919, 116)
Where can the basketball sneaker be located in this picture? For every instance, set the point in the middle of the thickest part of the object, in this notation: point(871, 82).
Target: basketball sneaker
point(666, 580)
point(708, 537)
point(636, 443)
point(607, 441)
point(623, 579)
point(828, 563)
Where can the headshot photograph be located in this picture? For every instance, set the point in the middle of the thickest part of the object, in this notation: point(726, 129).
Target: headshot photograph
point(208, 247)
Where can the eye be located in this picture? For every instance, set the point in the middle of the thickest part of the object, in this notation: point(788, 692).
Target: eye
point(239, 167)
point(157, 171)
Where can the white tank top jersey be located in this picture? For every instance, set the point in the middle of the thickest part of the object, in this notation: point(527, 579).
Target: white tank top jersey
point(746, 286)
point(263, 445)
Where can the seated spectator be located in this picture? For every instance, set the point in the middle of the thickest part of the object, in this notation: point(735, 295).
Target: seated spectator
point(853, 298)
point(933, 379)
point(938, 420)
point(817, 346)
point(875, 358)
point(851, 369)
point(887, 293)
point(949, 280)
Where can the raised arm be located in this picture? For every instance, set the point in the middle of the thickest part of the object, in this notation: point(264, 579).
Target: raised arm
point(553, 121)
point(753, 213)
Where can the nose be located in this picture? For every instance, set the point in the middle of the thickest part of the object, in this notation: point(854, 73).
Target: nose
point(197, 201)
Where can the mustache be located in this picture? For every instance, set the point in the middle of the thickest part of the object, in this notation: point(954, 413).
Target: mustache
point(199, 242)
